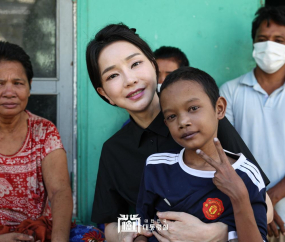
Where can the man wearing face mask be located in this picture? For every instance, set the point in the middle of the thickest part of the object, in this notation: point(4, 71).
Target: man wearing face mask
point(256, 105)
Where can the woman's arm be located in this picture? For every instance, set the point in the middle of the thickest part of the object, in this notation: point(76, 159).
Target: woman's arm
point(56, 180)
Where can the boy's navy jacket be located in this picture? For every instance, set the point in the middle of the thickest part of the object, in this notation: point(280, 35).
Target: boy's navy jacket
point(170, 185)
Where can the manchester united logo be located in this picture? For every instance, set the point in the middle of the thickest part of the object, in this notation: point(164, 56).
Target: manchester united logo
point(213, 208)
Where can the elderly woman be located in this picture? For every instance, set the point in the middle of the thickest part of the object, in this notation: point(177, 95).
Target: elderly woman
point(33, 165)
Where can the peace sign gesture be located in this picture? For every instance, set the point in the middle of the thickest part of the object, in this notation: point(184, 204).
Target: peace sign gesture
point(226, 179)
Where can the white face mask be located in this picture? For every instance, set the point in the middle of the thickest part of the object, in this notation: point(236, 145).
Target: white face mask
point(269, 56)
point(158, 87)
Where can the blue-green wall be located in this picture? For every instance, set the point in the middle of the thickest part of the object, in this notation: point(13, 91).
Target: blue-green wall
point(214, 34)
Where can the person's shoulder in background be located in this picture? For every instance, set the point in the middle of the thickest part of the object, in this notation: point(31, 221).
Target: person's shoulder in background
point(227, 89)
point(231, 90)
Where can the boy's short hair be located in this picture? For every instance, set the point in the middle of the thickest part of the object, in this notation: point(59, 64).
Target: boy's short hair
point(276, 14)
point(166, 52)
point(13, 52)
point(193, 74)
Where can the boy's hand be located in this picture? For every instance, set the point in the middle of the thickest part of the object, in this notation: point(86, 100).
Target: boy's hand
point(226, 179)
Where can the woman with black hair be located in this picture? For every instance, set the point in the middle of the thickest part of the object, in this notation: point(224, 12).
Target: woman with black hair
point(124, 73)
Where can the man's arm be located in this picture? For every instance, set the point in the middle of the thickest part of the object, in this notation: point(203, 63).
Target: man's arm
point(276, 193)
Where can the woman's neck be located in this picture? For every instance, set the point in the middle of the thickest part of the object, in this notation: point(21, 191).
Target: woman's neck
point(11, 124)
point(145, 117)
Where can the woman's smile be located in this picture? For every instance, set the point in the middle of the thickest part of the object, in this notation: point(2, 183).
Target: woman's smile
point(136, 94)
point(128, 77)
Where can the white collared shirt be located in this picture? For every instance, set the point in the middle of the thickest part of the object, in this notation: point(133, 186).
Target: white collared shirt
point(259, 118)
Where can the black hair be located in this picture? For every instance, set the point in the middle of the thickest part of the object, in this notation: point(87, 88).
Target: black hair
point(110, 34)
point(276, 14)
point(12, 52)
point(168, 52)
point(193, 74)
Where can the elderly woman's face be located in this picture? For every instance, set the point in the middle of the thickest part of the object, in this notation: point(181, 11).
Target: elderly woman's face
point(14, 88)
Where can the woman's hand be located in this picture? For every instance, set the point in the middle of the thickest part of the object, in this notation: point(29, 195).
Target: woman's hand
point(134, 236)
point(15, 237)
point(112, 235)
point(183, 227)
point(127, 236)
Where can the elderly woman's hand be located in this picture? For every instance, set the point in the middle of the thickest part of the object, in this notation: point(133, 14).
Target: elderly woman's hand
point(13, 237)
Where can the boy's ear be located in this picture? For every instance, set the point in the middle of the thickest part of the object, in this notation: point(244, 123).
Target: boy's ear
point(221, 106)
point(101, 91)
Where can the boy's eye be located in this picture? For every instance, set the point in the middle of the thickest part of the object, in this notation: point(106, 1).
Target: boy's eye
point(193, 108)
point(171, 117)
point(111, 76)
point(136, 63)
